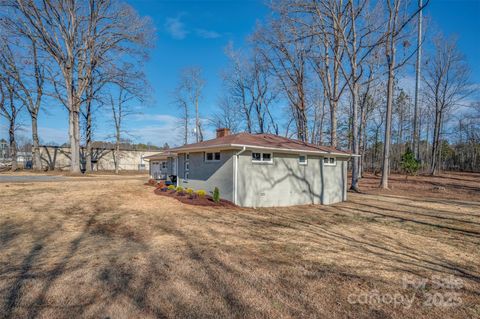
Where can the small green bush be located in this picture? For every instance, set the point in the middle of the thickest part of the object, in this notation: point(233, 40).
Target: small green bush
point(189, 191)
point(201, 193)
point(179, 189)
point(409, 163)
point(171, 187)
point(216, 195)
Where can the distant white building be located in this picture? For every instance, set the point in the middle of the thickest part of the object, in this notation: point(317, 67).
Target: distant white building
point(4, 153)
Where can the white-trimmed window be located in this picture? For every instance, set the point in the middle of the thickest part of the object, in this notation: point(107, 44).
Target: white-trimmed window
point(187, 167)
point(212, 157)
point(329, 161)
point(302, 159)
point(258, 157)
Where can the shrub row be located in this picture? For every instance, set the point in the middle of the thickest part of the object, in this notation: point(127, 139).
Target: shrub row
point(181, 191)
point(190, 192)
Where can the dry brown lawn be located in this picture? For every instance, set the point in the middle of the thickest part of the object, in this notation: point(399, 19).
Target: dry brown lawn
point(111, 248)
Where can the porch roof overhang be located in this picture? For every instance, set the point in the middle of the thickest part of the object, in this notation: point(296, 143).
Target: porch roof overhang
point(160, 156)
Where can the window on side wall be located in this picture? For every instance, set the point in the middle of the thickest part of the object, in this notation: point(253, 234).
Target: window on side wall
point(212, 157)
point(262, 157)
point(329, 161)
point(302, 159)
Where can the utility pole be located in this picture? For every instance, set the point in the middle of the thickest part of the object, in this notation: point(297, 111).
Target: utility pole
point(416, 137)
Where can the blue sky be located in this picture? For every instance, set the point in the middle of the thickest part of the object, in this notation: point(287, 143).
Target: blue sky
point(195, 33)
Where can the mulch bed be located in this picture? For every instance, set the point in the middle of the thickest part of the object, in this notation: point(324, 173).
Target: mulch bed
point(195, 200)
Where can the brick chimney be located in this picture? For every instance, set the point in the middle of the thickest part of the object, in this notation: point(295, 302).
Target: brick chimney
point(221, 132)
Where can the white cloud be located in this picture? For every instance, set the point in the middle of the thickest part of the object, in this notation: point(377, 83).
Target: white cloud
point(176, 28)
point(154, 117)
point(207, 34)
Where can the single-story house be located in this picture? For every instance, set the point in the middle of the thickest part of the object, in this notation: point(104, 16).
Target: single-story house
point(262, 170)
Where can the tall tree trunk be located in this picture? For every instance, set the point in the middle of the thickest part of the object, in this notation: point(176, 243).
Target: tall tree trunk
point(197, 121)
point(185, 131)
point(88, 138)
point(37, 162)
point(388, 122)
point(362, 138)
point(13, 144)
point(73, 124)
point(336, 74)
point(355, 91)
point(435, 142)
point(416, 130)
point(355, 142)
point(375, 153)
point(117, 150)
point(333, 124)
point(320, 127)
point(74, 137)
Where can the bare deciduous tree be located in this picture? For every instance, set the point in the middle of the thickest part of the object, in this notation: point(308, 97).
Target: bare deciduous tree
point(72, 32)
point(249, 85)
point(329, 19)
point(10, 111)
point(447, 82)
point(398, 18)
point(286, 51)
point(187, 95)
point(20, 62)
point(228, 115)
point(121, 109)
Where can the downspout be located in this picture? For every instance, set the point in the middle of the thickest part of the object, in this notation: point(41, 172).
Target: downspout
point(322, 180)
point(344, 178)
point(235, 174)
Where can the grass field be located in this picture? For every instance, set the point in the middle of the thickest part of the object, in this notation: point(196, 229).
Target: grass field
point(100, 247)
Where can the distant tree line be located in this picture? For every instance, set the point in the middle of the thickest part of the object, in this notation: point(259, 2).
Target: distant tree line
point(83, 55)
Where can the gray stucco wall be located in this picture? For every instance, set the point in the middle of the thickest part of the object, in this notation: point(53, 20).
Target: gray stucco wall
point(283, 183)
point(334, 181)
point(208, 175)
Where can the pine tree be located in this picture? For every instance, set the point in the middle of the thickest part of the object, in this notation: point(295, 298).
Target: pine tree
point(409, 163)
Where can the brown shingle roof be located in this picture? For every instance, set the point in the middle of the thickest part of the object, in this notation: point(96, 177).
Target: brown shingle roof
point(268, 141)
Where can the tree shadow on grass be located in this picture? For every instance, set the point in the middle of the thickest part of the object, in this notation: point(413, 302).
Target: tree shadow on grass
point(29, 268)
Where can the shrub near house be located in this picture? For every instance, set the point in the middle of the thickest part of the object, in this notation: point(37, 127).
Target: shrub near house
point(216, 195)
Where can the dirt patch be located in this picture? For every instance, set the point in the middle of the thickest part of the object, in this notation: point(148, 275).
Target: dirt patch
point(451, 185)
